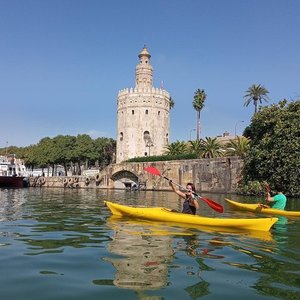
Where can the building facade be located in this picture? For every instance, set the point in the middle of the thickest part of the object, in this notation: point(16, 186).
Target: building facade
point(143, 115)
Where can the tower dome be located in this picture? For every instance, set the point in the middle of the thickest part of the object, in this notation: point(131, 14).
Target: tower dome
point(144, 52)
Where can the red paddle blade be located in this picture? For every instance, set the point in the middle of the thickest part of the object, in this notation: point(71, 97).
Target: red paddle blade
point(216, 206)
point(152, 170)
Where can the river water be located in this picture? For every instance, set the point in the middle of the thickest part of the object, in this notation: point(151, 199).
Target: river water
point(64, 244)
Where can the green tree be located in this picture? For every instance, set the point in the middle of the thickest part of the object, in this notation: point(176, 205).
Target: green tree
point(105, 149)
point(275, 147)
point(83, 152)
point(211, 148)
point(238, 146)
point(171, 103)
point(69, 151)
point(176, 148)
point(256, 93)
point(198, 104)
point(30, 156)
point(64, 148)
point(45, 153)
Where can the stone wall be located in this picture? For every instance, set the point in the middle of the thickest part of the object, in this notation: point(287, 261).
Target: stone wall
point(220, 175)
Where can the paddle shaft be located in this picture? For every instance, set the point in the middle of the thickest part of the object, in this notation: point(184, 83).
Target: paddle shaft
point(268, 190)
point(180, 186)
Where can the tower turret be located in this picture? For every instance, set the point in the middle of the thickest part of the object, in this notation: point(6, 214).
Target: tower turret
point(143, 70)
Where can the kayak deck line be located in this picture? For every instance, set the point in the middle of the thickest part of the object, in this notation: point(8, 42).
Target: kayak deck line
point(166, 215)
point(258, 209)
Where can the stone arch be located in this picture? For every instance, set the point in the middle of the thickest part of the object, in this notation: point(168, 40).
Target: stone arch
point(124, 179)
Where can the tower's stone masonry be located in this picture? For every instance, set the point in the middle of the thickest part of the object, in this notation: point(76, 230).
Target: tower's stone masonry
point(143, 115)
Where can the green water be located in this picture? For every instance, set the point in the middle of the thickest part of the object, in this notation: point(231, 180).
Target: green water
point(63, 244)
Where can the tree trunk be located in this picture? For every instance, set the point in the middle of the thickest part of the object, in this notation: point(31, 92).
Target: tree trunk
point(198, 125)
point(66, 169)
point(79, 168)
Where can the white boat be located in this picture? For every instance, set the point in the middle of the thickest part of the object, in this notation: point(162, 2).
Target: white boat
point(12, 172)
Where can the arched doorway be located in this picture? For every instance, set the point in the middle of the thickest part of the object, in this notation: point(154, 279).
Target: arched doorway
point(125, 180)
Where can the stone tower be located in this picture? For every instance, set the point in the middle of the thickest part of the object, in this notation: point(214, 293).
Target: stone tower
point(143, 115)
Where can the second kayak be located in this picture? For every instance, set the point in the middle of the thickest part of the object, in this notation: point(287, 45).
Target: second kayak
point(256, 208)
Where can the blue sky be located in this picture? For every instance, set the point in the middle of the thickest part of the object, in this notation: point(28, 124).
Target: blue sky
point(62, 62)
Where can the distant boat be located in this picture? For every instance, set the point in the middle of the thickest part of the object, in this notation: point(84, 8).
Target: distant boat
point(12, 172)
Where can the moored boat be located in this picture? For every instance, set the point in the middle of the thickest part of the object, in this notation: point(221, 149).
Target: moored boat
point(12, 172)
point(13, 181)
point(257, 208)
point(162, 214)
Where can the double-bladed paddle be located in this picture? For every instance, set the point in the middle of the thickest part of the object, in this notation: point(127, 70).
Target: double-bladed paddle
point(216, 206)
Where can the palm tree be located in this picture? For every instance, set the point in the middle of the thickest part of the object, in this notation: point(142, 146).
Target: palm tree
point(171, 103)
point(176, 148)
point(256, 93)
point(198, 104)
point(211, 148)
point(196, 147)
point(238, 146)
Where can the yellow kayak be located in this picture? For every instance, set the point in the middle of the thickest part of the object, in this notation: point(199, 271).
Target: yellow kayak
point(162, 214)
point(257, 209)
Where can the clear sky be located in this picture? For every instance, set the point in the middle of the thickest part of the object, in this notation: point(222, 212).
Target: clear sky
point(62, 62)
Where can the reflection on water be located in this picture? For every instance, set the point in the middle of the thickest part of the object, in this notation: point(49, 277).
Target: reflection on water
point(68, 246)
point(274, 279)
point(52, 223)
point(145, 255)
point(11, 204)
point(142, 255)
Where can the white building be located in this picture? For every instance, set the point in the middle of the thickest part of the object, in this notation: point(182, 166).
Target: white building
point(143, 115)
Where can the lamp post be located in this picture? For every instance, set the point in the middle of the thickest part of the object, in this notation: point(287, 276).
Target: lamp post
point(236, 126)
point(149, 144)
point(194, 129)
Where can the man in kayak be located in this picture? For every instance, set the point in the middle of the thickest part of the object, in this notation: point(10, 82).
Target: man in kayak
point(190, 204)
point(278, 201)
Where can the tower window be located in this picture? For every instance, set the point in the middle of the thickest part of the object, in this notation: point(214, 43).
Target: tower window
point(146, 135)
point(158, 113)
point(121, 136)
point(132, 112)
point(146, 112)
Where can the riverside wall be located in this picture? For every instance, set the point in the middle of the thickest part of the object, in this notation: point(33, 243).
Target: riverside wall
point(218, 175)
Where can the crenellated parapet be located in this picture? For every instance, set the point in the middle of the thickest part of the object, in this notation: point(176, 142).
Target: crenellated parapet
point(153, 90)
point(155, 98)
